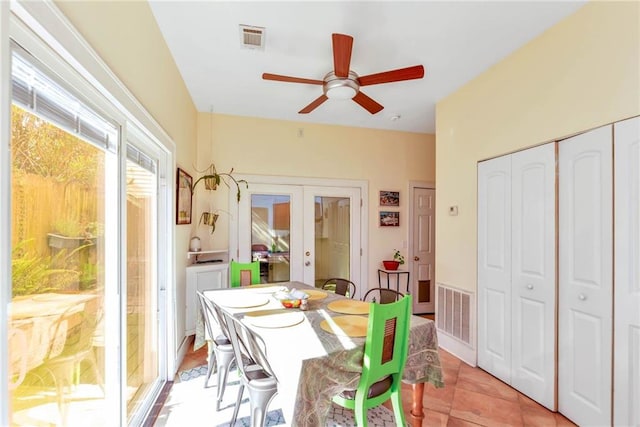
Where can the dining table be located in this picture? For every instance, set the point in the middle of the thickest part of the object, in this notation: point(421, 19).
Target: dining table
point(318, 352)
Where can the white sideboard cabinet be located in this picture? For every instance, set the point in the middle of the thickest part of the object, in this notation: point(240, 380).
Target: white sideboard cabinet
point(202, 277)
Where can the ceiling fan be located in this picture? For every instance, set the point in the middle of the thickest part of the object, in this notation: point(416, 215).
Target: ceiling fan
point(343, 83)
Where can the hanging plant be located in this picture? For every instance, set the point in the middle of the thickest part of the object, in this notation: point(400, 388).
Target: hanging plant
point(209, 218)
point(212, 179)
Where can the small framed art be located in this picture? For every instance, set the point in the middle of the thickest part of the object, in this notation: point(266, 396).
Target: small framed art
point(389, 198)
point(183, 197)
point(389, 219)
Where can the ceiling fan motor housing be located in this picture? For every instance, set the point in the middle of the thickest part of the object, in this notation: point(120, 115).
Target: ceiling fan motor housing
point(335, 87)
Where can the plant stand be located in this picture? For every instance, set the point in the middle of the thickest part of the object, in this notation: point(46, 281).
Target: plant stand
point(397, 274)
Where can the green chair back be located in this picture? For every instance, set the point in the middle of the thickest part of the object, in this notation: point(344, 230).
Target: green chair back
point(244, 274)
point(385, 355)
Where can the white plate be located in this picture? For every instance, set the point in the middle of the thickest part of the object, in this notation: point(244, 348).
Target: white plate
point(280, 320)
point(245, 300)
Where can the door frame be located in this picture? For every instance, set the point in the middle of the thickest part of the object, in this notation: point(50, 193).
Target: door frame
point(430, 185)
point(312, 182)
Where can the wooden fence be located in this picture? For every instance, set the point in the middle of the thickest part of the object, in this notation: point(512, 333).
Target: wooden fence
point(41, 206)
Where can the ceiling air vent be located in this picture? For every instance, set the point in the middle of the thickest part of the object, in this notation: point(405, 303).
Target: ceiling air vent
point(252, 37)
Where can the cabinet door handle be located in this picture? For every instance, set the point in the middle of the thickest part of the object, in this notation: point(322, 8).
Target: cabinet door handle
point(529, 286)
point(582, 297)
point(307, 263)
point(416, 258)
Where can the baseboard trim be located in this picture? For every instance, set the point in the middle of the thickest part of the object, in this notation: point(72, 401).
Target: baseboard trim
point(458, 349)
point(182, 351)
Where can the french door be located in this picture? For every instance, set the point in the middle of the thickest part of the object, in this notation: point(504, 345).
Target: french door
point(299, 232)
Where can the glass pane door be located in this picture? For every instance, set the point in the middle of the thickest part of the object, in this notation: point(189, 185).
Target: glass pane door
point(270, 231)
point(270, 236)
point(300, 232)
point(331, 234)
point(332, 238)
point(142, 346)
point(57, 323)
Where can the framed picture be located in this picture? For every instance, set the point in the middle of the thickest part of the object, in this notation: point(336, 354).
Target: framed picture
point(183, 197)
point(389, 219)
point(389, 198)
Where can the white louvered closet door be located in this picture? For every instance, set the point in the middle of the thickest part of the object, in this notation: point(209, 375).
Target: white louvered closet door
point(533, 278)
point(627, 273)
point(494, 267)
point(585, 273)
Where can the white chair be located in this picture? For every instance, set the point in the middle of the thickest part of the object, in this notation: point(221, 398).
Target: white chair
point(219, 346)
point(255, 372)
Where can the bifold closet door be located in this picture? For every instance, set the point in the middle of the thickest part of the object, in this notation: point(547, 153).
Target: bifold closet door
point(585, 277)
point(626, 388)
point(533, 278)
point(494, 267)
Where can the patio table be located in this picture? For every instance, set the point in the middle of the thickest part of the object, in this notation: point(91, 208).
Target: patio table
point(32, 325)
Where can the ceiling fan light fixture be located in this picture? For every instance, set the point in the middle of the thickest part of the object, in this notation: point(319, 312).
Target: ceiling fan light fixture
point(341, 87)
point(341, 92)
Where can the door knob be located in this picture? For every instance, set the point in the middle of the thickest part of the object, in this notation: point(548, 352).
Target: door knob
point(307, 263)
point(582, 297)
point(529, 286)
point(416, 258)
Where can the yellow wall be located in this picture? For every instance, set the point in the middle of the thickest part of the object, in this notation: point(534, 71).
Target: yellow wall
point(388, 160)
point(582, 73)
point(127, 38)
point(125, 35)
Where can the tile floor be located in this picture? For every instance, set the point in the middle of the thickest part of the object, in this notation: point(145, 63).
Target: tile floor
point(470, 397)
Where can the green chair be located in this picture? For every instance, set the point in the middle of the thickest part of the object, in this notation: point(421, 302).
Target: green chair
point(385, 355)
point(244, 274)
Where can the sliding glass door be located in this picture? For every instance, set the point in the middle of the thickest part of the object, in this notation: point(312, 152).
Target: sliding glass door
point(142, 349)
point(89, 220)
point(58, 320)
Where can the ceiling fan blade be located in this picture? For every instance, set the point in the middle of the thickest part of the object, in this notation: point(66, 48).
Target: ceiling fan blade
point(342, 45)
point(309, 108)
point(409, 73)
point(289, 79)
point(367, 103)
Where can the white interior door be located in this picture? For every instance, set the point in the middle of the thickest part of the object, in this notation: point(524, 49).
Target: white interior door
point(585, 273)
point(533, 278)
point(423, 262)
point(494, 267)
point(626, 386)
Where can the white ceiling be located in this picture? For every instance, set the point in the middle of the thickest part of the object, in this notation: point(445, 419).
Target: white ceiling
point(454, 40)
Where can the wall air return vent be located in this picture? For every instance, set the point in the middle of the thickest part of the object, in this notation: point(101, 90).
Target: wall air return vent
point(252, 37)
point(454, 313)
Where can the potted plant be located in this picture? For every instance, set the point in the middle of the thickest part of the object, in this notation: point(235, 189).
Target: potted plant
point(394, 263)
point(212, 179)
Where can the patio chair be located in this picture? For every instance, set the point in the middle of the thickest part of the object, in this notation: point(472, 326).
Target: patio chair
point(382, 295)
point(219, 347)
point(385, 355)
point(255, 372)
point(340, 286)
point(71, 345)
